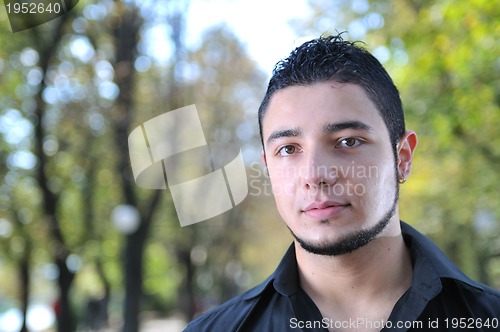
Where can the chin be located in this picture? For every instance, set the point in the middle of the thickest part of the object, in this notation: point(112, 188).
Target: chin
point(344, 243)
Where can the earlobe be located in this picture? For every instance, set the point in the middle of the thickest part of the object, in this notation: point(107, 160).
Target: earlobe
point(405, 149)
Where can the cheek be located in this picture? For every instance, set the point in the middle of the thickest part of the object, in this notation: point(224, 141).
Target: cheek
point(374, 182)
point(283, 180)
point(381, 186)
point(283, 192)
point(283, 186)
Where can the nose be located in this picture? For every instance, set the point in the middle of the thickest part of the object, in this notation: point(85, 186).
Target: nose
point(318, 170)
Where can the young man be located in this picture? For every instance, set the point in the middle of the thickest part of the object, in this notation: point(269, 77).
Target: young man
point(336, 148)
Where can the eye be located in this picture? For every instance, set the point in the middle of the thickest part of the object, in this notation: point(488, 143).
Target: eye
point(287, 150)
point(349, 142)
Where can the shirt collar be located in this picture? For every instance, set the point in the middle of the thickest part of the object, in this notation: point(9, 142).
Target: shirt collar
point(285, 278)
point(427, 256)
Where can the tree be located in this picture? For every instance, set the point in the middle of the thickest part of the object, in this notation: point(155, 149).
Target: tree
point(88, 83)
point(58, 140)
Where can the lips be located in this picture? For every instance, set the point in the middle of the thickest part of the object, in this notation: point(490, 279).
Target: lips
point(325, 210)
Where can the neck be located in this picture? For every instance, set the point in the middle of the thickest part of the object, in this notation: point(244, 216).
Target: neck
point(375, 275)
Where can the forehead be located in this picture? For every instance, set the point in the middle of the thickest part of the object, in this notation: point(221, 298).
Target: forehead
point(313, 106)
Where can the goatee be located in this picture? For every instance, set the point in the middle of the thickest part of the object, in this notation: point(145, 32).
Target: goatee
point(353, 241)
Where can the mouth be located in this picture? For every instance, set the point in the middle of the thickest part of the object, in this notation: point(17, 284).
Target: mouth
point(325, 210)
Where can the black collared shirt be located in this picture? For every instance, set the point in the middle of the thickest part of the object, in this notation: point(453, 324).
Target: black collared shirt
point(441, 298)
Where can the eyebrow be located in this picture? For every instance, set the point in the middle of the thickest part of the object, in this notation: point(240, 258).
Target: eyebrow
point(283, 133)
point(356, 125)
point(327, 129)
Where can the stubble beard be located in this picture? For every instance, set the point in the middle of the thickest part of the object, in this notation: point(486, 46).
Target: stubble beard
point(353, 241)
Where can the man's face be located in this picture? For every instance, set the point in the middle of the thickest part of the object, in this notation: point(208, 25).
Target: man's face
point(330, 162)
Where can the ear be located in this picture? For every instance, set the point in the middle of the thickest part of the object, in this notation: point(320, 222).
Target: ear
point(264, 160)
point(405, 149)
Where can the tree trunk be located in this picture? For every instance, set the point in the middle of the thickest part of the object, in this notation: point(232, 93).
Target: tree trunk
point(24, 271)
point(126, 36)
point(133, 259)
point(186, 294)
point(50, 200)
point(65, 317)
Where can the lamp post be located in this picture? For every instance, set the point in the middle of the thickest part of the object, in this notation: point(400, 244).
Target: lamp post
point(125, 219)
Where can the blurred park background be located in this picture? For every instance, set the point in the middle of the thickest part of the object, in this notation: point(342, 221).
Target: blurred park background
point(72, 90)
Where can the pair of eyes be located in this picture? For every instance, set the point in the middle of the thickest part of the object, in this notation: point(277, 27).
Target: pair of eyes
point(349, 142)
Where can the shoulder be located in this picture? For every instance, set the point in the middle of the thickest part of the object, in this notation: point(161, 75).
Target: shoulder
point(473, 302)
point(459, 293)
point(480, 300)
point(231, 314)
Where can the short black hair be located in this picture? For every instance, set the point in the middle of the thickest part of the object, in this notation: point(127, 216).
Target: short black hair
point(332, 58)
